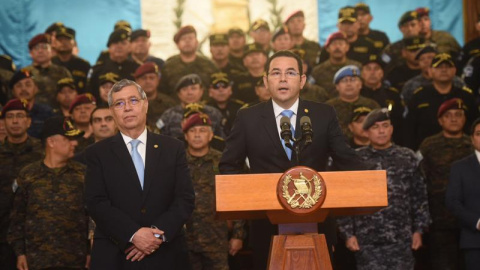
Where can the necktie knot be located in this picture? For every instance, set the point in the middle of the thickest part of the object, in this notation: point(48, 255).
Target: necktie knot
point(287, 113)
point(134, 143)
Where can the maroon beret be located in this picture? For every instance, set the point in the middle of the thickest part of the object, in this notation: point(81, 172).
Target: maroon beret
point(82, 99)
point(422, 11)
point(15, 105)
point(40, 38)
point(335, 36)
point(297, 13)
point(148, 67)
point(196, 119)
point(187, 29)
point(454, 103)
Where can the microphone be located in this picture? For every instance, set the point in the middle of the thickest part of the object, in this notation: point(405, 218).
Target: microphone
point(307, 131)
point(285, 130)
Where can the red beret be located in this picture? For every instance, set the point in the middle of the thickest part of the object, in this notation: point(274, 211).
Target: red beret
point(187, 29)
point(40, 38)
point(297, 13)
point(196, 119)
point(335, 36)
point(82, 99)
point(454, 103)
point(15, 105)
point(148, 67)
point(422, 11)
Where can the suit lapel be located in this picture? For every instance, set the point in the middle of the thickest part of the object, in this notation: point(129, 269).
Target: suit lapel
point(475, 164)
point(121, 151)
point(152, 155)
point(301, 111)
point(270, 125)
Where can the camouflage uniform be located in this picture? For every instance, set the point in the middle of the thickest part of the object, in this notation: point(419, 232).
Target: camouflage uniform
point(13, 157)
point(207, 238)
point(49, 223)
point(446, 43)
point(157, 107)
point(438, 154)
point(170, 123)
point(46, 80)
point(385, 237)
point(79, 69)
point(345, 111)
point(314, 92)
point(83, 143)
point(418, 81)
point(312, 51)
point(322, 75)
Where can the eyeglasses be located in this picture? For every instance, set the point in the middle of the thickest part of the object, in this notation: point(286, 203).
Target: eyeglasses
point(289, 74)
point(220, 85)
point(18, 116)
point(120, 104)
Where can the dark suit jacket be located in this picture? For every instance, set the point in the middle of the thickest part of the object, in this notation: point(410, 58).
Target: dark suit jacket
point(119, 206)
point(463, 199)
point(255, 135)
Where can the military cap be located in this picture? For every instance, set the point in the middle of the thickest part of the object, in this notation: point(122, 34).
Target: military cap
point(218, 39)
point(427, 49)
point(414, 43)
point(65, 82)
point(442, 58)
point(122, 24)
point(253, 47)
point(145, 68)
point(297, 13)
point(188, 80)
point(119, 35)
point(6, 63)
point(454, 103)
point(82, 99)
point(335, 36)
point(407, 17)
point(346, 71)
point(108, 77)
point(140, 33)
point(280, 31)
point(18, 76)
point(65, 32)
point(377, 115)
point(40, 38)
point(196, 119)
point(422, 11)
point(53, 27)
point(347, 13)
point(362, 7)
point(360, 111)
point(15, 105)
point(192, 108)
point(187, 29)
point(236, 30)
point(373, 58)
point(259, 24)
point(59, 125)
point(219, 77)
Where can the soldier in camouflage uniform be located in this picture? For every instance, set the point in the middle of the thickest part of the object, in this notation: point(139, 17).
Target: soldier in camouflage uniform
point(385, 240)
point(7, 69)
point(439, 152)
point(310, 91)
point(48, 222)
point(17, 151)
point(140, 47)
point(348, 83)
point(81, 110)
point(187, 62)
point(207, 238)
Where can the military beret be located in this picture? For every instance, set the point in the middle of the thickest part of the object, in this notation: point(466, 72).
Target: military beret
point(430, 48)
point(377, 115)
point(407, 17)
point(259, 24)
point(346, 71)
point(454, 103)
point(335, 36)
point(253, 47)
point(347, 13)
point(192, 108)
point(373, 58)
point(140, 33)
point(18, 76)
point(187, 29)
point(82, 99)
point(59, 125)
point(442, 58)
point(119, 35)
point(108, 77)
point(40, 38)
point(188, 80)
point(218, 39)
point(414, 43)
point(362, 7)
point(65, 82)
point(196, 119)
point(122, 24)
point(6, 63)
point(280, 31)
point(65, 32)
point(53, 27)
point(15, 105)
point(145, 68)
point(218, 77)
point(360, 111)
point(236, 30)
point(422, 11)
point(297, 13)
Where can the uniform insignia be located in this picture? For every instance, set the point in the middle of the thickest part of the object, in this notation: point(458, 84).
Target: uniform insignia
point(155, 146)
point(302, 196)
point(423, 105)
point(468, 90)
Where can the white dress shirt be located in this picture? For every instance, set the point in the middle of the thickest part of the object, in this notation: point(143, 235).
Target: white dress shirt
point(277, 110)
point(142, 146)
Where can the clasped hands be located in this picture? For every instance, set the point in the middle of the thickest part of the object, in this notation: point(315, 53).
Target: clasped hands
point(144, 244)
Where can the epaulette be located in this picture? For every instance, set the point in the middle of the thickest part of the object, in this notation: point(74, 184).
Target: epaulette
point(418, 90)
point(468, 90)
point(98, 63)
point(393, 89)
point(218, 138)
point(246, 105)
point(238, 101)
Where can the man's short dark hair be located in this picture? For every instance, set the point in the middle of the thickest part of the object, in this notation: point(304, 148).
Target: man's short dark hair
point(100, 107)
point(474, 125)
point(285, 53)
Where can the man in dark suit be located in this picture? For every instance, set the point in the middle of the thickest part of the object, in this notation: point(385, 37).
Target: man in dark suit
point(138, 191)
point(463, 199)
point(256, 136)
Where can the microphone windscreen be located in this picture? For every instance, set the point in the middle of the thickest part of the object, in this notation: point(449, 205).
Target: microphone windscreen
point(305, 119)
point(285, 120)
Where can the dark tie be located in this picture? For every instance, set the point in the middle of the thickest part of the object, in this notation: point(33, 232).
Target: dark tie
point(288, 113)
point(137, 160)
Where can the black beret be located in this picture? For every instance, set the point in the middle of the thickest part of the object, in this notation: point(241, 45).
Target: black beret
point(377, 115)
point(65, 32)
point(140, 33)
point(119, 35)
point(18, 76)
point(188, 80)
point(407, 17)
point(62, 126)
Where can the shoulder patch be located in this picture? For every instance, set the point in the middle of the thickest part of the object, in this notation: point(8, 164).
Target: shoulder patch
point(418, 90)
point(468, 90)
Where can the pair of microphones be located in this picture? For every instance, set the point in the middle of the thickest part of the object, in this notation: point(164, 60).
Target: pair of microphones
point(286, 131)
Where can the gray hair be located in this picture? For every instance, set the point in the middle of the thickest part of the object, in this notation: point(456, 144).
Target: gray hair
point(118, 86)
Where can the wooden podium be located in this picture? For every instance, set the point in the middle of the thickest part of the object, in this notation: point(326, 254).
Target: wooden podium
point(299, 246)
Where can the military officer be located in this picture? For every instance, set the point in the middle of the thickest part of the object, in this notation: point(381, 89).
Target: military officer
point(364, 17)
point(140, 46)
point(220, 51)
point(81, 110)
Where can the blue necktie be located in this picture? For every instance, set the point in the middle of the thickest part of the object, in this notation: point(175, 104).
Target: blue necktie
point(137, 160)
point(289, 114)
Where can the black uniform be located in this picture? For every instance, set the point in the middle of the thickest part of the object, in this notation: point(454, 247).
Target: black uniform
point(229, 113)
point(400, 74)
point(79, 69)
point(378, 38)
point(244, 87)
point(469, 50)
point(360, 50)
point(471, 75)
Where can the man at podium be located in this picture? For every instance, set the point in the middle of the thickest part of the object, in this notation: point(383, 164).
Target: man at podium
point(256, 135)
